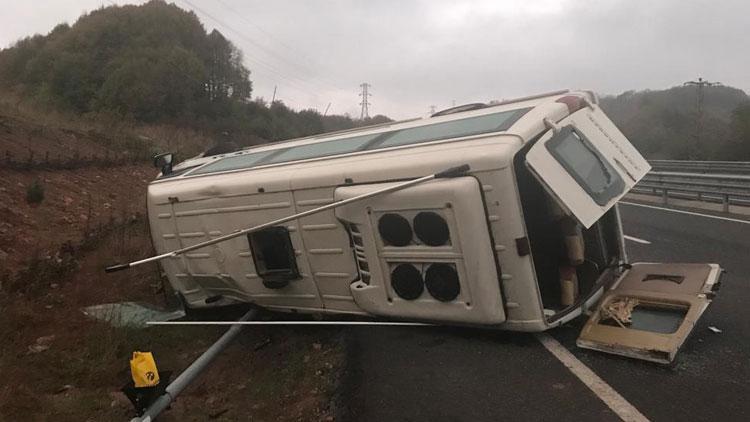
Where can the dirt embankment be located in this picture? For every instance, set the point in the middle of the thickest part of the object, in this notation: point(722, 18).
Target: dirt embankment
point(56, 364)
point(75, 203)
point(20, 136)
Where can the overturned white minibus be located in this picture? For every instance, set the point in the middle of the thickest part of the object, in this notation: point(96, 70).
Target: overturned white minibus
point(528, 239)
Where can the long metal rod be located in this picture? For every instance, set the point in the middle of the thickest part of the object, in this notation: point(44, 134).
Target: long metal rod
point(188, 375)
point(451, 172)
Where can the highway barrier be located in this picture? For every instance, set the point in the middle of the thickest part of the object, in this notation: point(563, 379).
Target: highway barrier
point(724, 182)
point(706, 167)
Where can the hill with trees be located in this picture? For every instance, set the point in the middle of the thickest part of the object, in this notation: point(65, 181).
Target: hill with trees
point(154, 64)
point(664, 124)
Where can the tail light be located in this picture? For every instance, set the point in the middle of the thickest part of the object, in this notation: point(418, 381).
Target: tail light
point(442, 282)
point(406, 280)
point(394, 229)
point(431, 228)
point(574, 102)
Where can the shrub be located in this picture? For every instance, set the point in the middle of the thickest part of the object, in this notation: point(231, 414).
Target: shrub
point(35, 193)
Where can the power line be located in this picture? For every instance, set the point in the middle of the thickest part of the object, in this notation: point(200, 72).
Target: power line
point(271, 52)
point(365, 114)
point(694, 152)
point(270, 36)
point(269, 67)
point(303, 70)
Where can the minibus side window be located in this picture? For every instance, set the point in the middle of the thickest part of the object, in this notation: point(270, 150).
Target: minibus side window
point(321, 149)
point(477, 125)
point(234, 162)
point(586, 165)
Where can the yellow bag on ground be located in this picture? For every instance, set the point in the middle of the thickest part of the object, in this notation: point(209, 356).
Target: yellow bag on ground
point(143, 369)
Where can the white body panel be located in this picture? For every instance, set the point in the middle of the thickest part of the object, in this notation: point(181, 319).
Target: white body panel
point(501, 272)
point(459, 201)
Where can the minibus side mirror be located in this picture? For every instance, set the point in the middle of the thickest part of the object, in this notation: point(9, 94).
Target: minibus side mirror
point(164, 162)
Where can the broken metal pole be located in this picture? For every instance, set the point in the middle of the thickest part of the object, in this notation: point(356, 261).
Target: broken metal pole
point(191, 373)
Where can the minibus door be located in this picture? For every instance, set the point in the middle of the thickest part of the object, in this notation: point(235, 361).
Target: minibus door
point(586, 163)
point(651, 310)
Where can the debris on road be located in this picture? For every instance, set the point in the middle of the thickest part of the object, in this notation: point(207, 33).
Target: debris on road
point(41, 344)
point(714, 329)
point(130, 314)
point(262, 344)
point(64, 388)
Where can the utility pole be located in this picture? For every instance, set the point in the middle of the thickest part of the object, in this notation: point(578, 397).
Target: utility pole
point(694, 151)
point(327, 107)
point(365, 114)
point(273, 99)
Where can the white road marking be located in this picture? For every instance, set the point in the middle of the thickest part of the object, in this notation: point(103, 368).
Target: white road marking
point(734, 220)
point(636, 239)
point(407, 324)
point(618, 404)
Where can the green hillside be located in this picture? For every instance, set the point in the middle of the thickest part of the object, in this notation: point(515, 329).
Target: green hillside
point(153, 63)
point(664, 124)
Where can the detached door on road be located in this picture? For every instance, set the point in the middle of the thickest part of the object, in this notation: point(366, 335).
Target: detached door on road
point(651, 310)
point(587, 164)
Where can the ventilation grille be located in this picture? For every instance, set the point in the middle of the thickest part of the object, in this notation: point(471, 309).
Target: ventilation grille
point(359, 253)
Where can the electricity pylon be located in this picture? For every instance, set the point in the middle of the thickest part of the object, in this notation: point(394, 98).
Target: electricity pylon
point(694, 151)
point(365, 114)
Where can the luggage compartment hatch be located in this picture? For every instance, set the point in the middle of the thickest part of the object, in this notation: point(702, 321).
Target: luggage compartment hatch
point(651, 310)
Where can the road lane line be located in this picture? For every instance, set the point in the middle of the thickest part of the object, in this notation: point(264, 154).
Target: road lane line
point(378, 323)
point(626, 411)
point(636, 239)
point(734, 220)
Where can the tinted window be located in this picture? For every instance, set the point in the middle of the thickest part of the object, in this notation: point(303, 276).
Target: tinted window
point(321, 149)
point(453, 129)
point(234, 162)
point(595, 175)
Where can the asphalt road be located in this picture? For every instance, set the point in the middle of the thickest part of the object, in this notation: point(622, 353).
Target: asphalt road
point(452, 374)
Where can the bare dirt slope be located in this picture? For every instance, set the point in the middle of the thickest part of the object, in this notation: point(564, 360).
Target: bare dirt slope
point(56, 364)
point(75, 202)
point(20, 135)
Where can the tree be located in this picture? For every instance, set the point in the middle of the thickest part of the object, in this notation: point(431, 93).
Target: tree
point(662, 124)
point(741, 132)
point(153, 63)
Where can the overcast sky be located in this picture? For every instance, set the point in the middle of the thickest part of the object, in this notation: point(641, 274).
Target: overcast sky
point(433, 52)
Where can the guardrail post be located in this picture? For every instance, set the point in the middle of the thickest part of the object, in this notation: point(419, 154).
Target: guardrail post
point(710, 187)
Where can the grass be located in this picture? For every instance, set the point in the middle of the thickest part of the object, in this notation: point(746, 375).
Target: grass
point(35, 192)
point(114, 131)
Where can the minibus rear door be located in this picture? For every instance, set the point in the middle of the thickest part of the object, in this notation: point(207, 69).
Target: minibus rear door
point(586, 163)
point(651, 310)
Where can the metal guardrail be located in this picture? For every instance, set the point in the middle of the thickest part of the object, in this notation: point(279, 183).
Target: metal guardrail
point(706, 181)
point(707, 167)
